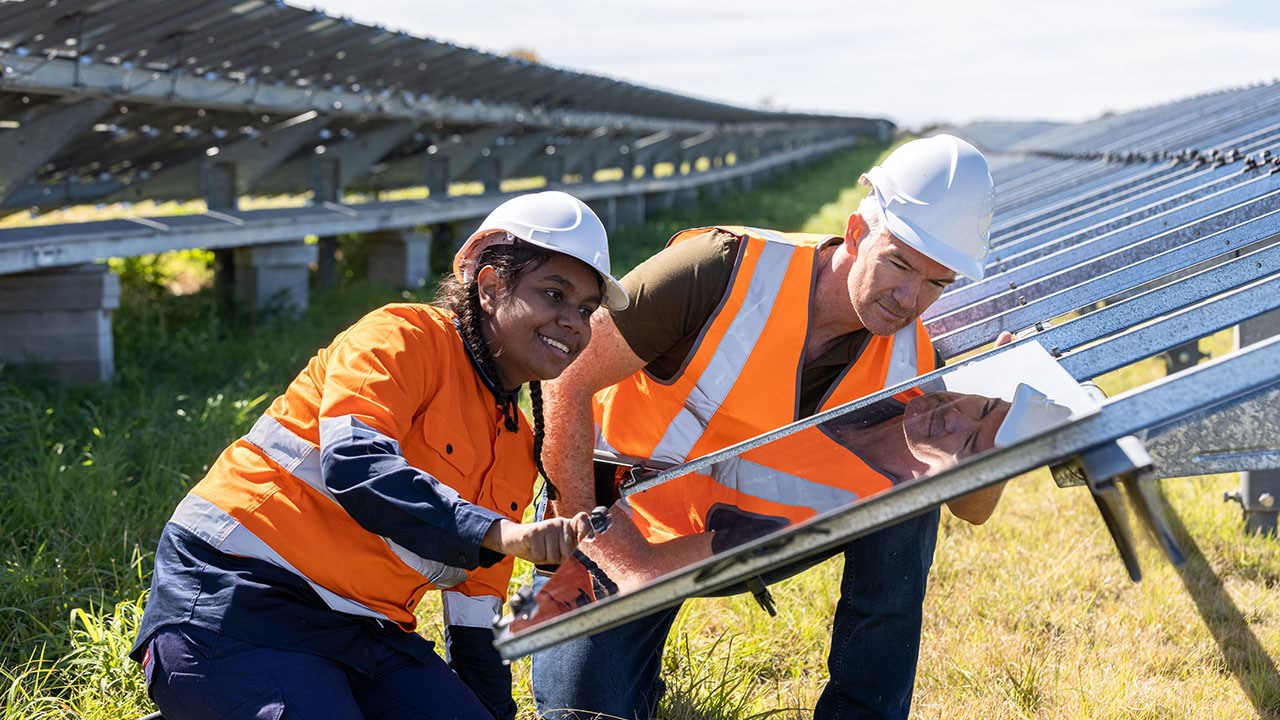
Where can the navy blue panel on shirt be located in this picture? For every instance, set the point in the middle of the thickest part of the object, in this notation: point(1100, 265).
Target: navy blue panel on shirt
point(258, 602)
point(385, 494)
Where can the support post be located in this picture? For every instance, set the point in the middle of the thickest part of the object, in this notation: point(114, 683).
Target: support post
point(607, 210)
point(326, 185)
point(435, 172)
point(1259, 493)
point(687, 198)
point(489, 173)
point(218, 183)
point(60, 319)
point(630, 210)
point(400, 258)
point(655, 203)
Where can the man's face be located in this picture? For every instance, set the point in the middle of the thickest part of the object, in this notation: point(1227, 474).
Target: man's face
point(943, 427)
point(891, 283)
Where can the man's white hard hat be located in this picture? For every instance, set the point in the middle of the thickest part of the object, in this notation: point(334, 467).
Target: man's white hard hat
point(553, 220)
point(937, 196)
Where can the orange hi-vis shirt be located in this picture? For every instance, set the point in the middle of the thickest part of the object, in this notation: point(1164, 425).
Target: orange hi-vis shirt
point(376, 474)
point(742, 380)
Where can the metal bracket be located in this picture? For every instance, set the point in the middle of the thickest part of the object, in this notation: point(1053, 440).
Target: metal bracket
point(763, 597)
point(1124, 463)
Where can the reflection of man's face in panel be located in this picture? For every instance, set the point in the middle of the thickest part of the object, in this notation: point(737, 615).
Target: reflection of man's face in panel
point(944, 426)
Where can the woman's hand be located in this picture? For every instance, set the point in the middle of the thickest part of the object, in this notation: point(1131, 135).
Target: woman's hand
point(547, 542)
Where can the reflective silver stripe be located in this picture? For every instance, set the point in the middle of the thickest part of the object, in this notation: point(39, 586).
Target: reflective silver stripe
point(777, 486)
point(602, 443)
point(468, 611)
point(904, 364)
point(291, 452)
point(213, 525)
point(729, 357)
point(302, 460)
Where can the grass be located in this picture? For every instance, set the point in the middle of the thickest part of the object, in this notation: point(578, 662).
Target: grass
point(1028, 616)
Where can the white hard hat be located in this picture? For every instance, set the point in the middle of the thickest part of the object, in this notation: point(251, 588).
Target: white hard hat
point(937, 197)
point(553, 220)
point(1030, 413)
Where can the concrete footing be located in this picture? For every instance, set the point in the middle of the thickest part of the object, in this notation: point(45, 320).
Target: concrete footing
point(402, 259)
point(60, 319)
point(274, 275)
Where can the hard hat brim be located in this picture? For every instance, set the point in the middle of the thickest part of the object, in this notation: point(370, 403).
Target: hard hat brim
point(614, 298)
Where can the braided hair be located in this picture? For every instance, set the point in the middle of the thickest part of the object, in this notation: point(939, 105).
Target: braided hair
point(463, 299)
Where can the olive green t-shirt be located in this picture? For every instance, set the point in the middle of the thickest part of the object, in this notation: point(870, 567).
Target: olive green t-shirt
point(674, 294)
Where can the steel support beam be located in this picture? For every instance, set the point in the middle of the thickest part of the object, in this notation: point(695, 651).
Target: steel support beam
point(66, 77)
point(254, 159)
point(23, 249)
point(355, 158)
point(42, 137)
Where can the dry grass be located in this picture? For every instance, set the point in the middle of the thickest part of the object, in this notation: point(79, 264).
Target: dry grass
point(1028, 616)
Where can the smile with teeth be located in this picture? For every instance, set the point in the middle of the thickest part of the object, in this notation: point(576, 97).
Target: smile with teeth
point(556, 344)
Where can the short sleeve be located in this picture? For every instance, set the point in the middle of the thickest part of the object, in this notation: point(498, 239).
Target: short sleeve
point(673, 294)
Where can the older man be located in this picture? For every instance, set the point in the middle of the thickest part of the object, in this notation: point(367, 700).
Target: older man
point(733, 332)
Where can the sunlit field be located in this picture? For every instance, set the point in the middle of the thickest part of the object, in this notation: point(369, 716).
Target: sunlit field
point(1028, 616)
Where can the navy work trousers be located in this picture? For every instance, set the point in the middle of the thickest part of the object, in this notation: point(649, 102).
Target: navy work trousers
point(875, 642)
point(198, 674)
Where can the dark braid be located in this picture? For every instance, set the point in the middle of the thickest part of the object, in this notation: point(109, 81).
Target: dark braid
point(535, 400)
point(509, 261)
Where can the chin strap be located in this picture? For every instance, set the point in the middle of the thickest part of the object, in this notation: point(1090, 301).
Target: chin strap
point(506, 401)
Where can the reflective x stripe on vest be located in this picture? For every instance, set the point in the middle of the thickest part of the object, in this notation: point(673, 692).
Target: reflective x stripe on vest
point(301, 460)
point(766, 262)
point(768, 257)
point(730, 354)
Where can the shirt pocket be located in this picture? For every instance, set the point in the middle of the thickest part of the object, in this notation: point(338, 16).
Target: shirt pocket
point(450, 456)
point(511, 482)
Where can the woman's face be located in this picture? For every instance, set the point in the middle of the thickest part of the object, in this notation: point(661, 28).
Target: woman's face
point(942, 427)
point(540, 324)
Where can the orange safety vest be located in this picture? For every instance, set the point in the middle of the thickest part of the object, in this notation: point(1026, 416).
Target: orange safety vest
point(742, 379)
point(401, 371)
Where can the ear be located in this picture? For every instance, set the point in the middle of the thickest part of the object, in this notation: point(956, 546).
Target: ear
point(487, 288)
point(855, 229)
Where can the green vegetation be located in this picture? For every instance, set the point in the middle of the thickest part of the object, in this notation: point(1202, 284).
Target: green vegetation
point(1028, 616)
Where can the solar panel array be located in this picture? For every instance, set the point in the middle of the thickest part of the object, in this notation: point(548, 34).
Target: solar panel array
point(127, 99)
point(1114, 241)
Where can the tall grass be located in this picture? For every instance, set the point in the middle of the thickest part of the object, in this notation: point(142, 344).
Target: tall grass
point(1028, 616)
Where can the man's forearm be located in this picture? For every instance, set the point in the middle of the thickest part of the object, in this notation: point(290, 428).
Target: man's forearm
point(567, 450)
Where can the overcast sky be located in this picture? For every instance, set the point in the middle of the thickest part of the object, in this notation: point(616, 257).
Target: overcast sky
point(913, 61)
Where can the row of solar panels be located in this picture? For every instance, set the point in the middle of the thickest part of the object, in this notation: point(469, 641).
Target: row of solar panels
point(110, 100)
point(271, 42)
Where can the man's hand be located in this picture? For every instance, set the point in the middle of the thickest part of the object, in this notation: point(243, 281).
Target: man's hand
point(547, 542)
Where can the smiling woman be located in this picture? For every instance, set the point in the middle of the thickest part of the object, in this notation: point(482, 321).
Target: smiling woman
point(395, 463)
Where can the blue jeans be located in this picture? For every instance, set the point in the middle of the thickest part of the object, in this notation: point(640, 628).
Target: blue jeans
point(198, 674)
point(875, 642)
